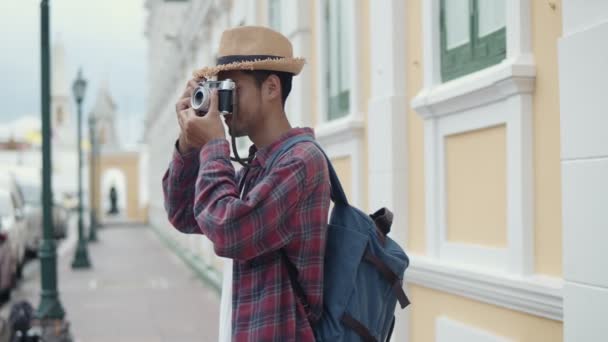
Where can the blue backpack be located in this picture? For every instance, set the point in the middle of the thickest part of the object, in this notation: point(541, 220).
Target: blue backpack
point(363, 271)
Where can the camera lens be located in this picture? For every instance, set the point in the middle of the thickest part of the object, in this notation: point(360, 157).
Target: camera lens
point(200, 99)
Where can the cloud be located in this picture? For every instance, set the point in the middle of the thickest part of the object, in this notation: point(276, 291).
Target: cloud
point(104, 37)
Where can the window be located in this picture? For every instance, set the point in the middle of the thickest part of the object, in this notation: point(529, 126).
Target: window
point(337, 25)
point(274, 14)
point(473, 36)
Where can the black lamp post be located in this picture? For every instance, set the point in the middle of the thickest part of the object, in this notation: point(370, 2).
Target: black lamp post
point(50, 307)
point(92, 175)
point(81, 258)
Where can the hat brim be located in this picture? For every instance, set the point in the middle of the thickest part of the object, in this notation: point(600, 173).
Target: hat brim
point(292, 65)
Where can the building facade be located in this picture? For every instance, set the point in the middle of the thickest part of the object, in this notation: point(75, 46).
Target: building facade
point(447, 112)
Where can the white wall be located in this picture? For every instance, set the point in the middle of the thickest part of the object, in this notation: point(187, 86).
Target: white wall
point(583, 71)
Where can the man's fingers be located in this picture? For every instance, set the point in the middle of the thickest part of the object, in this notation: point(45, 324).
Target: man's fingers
point(193, 83)
point(182, 104)
point(190, 86)
point(187, 92)
point(182, 117)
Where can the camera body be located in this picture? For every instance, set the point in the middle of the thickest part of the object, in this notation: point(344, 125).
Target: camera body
point(226, 94)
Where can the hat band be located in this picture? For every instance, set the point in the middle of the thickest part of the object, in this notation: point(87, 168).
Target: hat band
point(244, 58)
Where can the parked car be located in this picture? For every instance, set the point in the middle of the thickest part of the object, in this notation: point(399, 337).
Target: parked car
point(29, 202)
point(61, 218)
point(30, 186)
point(12, 222)
point(33, 214)
point(19, 229)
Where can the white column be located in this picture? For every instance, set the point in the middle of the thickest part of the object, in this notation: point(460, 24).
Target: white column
point(298, 30)
point(387, 124)
point(584, 152)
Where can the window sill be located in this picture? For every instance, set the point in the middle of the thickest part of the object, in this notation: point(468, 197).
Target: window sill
point(510, 77)
point(339, 130)
point(536, 295)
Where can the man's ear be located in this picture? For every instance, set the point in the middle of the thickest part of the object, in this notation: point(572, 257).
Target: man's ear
point(272, 87)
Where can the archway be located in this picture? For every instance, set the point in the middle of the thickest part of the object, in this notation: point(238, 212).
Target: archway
point(119, 169)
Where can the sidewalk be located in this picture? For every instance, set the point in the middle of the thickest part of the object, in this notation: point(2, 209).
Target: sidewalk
point(137, 290)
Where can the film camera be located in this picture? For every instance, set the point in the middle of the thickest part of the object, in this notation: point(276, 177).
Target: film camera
point(226, 93)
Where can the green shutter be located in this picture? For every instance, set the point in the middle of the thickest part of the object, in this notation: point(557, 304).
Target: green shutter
point(337, 104)
point(477, 54)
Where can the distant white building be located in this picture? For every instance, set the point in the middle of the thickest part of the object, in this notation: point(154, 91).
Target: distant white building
point(27, 130)
point(64, 124)
point(104, 112)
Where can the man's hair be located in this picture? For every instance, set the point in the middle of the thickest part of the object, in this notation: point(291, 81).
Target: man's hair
point(285, 77)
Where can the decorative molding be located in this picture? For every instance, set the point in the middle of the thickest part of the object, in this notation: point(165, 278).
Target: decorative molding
point(339, 130)
point(515, 114)
point(481, 88)
point(537, 295)
point(515, 75)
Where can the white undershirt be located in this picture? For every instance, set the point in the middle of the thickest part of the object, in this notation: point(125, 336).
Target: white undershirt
point(225, 334)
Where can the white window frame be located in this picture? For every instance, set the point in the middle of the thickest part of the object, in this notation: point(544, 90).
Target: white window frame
point(498, 95)
point(463, 105)
point(517, 257)
point(342, 137)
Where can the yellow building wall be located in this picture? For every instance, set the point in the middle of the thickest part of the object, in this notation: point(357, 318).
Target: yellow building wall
point(343, 167)
point(476, 181)
point(415, 130)
point(429, 305)
point(546, 29)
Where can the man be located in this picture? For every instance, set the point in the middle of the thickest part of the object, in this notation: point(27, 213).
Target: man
point(113, 201)
point(284, 207)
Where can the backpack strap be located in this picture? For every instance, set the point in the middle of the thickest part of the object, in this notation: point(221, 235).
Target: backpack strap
point(337, 195)
point(390, 330)
point(337, 192)
point(358, 328)
point(383, 218)
point(389, 276)
point(292, 271)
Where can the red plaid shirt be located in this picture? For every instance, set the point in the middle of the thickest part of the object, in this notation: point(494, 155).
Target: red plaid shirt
point(285, 207)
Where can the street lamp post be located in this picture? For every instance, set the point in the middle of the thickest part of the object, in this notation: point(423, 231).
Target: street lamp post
point(50, 307)
point(81, 258)
point(92, 175)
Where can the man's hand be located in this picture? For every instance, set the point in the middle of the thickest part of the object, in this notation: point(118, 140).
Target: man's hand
point(182, 104)
point(197, 130)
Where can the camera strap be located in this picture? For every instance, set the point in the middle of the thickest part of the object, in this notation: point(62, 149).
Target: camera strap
point(244, 162)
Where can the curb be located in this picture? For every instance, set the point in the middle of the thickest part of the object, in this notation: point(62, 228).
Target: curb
point(208, 276)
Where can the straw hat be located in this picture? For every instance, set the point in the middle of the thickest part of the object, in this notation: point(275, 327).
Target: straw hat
point(253, 48)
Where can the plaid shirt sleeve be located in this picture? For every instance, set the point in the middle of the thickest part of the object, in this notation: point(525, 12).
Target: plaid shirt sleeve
point(178, 190)
point(245, 228)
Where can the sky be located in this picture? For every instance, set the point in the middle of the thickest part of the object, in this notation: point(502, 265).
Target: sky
point(104, 37)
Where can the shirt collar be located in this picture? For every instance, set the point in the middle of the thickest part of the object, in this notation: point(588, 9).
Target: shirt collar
point(262, 155)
